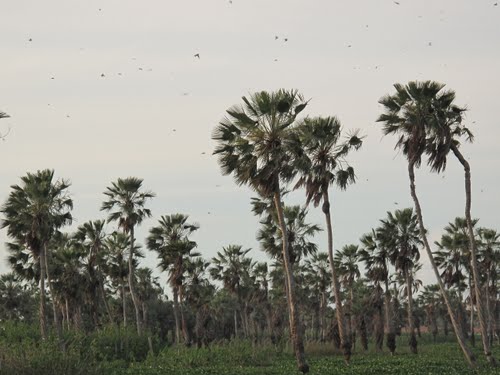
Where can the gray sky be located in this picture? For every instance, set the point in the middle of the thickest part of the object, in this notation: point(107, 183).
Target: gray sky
point(343, 55)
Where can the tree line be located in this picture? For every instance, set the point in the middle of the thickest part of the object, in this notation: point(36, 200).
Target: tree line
point(93, 277)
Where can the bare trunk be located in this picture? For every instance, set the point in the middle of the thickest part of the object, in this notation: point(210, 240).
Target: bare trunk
point(104, 299)
point(345, 340)
point(67, 313)
point(469, 356)
point(390, 340)
point(124, 304)
point(296, 329)
point(176, 315)
point(472, 246)
point(131, 286)
point(42, 314)
point(185, 331)
point(57, 322)
point(411, 324)
point(471, 305)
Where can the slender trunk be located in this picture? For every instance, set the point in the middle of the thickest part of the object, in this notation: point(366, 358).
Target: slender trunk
point(488, 308)
point(471, 305)
point(472, 246)
point(390, 340)
point(469, 356)
point(104, 299)
point(185, 331)
point(296, 329)
point(352, 331)
point(411, 325)
point(124, 304)
point(42, 314)
point(131, 275)
point(235, 318)
point(145, 322)
point(345, 340)
point(176, 315)
point(66, 313)
point(57, 322)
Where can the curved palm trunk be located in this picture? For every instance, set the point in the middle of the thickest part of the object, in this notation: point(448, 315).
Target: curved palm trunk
point(411, 324)
point(296, 329)
point(391, 332)
point(472, 246)
point(131, 283)
point(345, 340)
point(469, 356)
point(43, 316)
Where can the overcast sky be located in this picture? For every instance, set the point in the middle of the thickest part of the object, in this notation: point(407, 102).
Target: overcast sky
point(99, 90)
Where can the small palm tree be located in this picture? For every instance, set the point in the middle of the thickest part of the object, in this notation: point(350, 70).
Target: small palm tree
point(33, 212)
point(126, 205)
point(170, 239)
point(255, 143)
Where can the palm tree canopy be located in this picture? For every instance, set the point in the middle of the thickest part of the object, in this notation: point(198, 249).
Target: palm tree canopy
point(426, 119)
point(126, 203)
point(35, 209)
point(256, 140)
point(324, 162)
point(346, 262)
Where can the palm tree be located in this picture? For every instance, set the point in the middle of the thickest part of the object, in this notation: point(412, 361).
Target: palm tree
point(406, 115)
point(32, 213)
point(375, 255)
point(3, 115)
point(445, 128)
point(91, 236)
point(230, 266)
point(116, 264)
point(170, 239)
point(403, 238)
point(126, 205)
point(346, 262)
point(323, 166)
point(489, 255)
point(255, 143)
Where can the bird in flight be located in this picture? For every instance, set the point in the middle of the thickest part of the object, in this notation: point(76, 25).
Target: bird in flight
point(396, 3)
point(286, 39)
point(197, 55)
point(30, 40)
point(102, 75)
point(276, 37)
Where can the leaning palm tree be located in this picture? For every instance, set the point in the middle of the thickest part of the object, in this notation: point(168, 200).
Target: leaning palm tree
point(255, 143)
point(33, 212)
point(406, 115)
point(170, 239)
point(324, 165)
point(444, 127)
point(403, 238)
point(126, 205)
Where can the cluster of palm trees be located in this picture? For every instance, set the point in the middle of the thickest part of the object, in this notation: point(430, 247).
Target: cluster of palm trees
point(93, 277)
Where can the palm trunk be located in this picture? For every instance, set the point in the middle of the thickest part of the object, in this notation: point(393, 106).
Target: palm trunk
point(471, 304)
point(67, 314)
point(185, 331)
point(131, 286)
point(411, 324)
point(296, 329)
point(472, 246)
point(469, 356)
point(390, 340)
point(43, 316)
point(57, 322)
point(345, 340)
point(104, 299)
point(176, 315)
point(124, 304)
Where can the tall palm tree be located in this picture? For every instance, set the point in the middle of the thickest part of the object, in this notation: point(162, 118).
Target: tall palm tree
point(126, 205)
point(346, 262)
point(403, 237)
point(33, 212)
point(406, 115)
point(255, 143)
point(170, 239)
point(445, 129)
point(323, 166)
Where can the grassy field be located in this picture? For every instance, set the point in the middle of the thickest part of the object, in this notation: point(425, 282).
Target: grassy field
point(93, 355)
